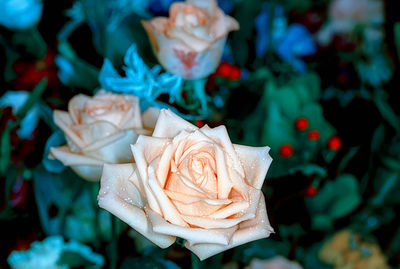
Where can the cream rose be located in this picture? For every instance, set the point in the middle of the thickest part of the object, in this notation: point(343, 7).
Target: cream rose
point(190, 183)
point(190, 42)
point(274, 263)
point(99, 130)
point(346, 15)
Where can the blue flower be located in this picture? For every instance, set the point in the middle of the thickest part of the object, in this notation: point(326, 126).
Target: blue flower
point(49, 254)
point(290, 43)
point(20, 14)
point(296, 43)
point(140, 80)
point(16, 99)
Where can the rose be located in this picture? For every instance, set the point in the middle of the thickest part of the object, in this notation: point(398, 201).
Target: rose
point(190, 183)
point(190, 42)
point(99, 130)
point(346, 15)
point(274, 263)
point(20, 14)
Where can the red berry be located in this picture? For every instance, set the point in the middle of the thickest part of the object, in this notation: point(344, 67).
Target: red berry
point(301, 124)
point(224, 69)
point(286, 151)
point(313, 135)
point(311, 191)
point(199, 123)
point(334, 143)
point(235, 73)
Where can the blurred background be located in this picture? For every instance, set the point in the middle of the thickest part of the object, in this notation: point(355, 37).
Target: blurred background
point(317, 81)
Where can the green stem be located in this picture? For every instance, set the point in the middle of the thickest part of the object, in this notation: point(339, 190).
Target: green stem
point(114, 244)
point(196, 263)
point(200, 92)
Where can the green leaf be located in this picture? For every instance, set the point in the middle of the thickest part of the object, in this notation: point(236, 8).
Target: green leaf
point(397, 37)
point(34, 97)
point(146, 263)
point(386, 110)
point(336, 199)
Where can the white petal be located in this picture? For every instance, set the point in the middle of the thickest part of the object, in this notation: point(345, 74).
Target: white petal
point(68, 158)
point(63, 121)
point(122, 198)
point(192, 235)
point(169, 212)
point(149, 117)
point(76, 105)
point(256, 161)
point(114, 148)
point(169, 125)
point(250, 230)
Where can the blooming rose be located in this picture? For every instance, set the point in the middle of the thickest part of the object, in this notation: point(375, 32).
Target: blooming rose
point(190, 42)
point(99, 130)
point(274, 263)
point(345, 15)
point(190, 183)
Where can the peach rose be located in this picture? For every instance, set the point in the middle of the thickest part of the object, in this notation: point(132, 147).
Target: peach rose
point(99, 130)
point(190, 42)
point(190, 183)
point(274, 263)
point(346, 15)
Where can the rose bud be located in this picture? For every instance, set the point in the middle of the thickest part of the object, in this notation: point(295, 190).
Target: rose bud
point(190, 42)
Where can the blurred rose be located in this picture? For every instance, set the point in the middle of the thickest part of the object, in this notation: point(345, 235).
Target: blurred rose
point(274, 263)
point(346, 15)
point(190, 42)
point(347, 249)
point(20, 14)
point(99, 130)
point(190, 183)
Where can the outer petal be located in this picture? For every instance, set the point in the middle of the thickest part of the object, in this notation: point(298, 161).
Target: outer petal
point(192, 235)
point(250, 230)
point(255, 161)
point(68, 158)
point(121, 197)
point(76, 105)
point(114, 148)
point(170, 125)
point(86, 167)
point(64, 122)
point(149, 117)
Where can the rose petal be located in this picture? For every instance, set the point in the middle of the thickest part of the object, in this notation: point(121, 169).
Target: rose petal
point(208, 5)
point(114, 148)
point(149, 117)
point(169, 211)
point(223, 217)
point(131, 118)
point(250, 230)
point(224, 182)
point(192, 41)
point(220, 135)
point(68, 158)
point(188, 199)
point(143, 153)
point(91, 133)
point(63, 121)
point(75, 107)
point(122, 198)
point(192, 235)
point(222, 24)
point(169, 125)
point(88, 172)
point(255, 161)
point(177, 182)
